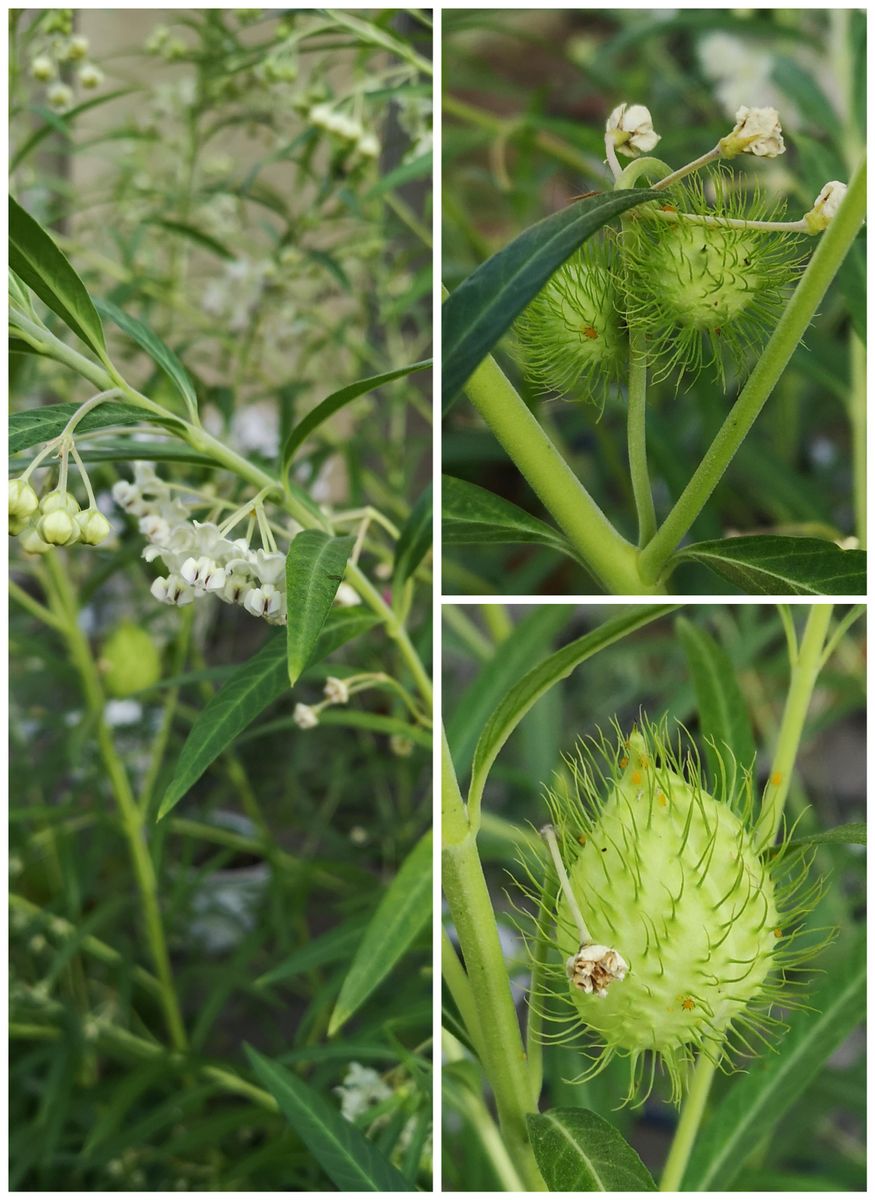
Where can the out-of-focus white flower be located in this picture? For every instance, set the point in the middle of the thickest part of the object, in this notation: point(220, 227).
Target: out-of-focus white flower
point(90, 76)
point(122, 712)
point(347, 596)
point(336, 690)
point(401, 746)
point(305, 717)
point(825, 206)
point(43, 68)
point(757, 131)
point(368, 145)
point(362, 1088)
point(76, 47)
point(60, 97)
point(631, 127)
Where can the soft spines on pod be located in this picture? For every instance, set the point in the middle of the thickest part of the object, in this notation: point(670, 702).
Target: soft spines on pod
point(667, 876)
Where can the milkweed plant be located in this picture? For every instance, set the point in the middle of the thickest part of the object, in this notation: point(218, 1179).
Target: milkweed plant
point(673, 917)
point(670, 273)
point(220, 580)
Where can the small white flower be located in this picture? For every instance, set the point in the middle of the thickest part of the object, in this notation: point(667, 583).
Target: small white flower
point(155, 528)
point(263, 601)
point(204, 574)
point(77, 47)
point(172, 590)
point(368, 145)
point(362, 1088)
point(594, 967)
point(129, 497)
point(632, 129)
point(401, 746)
point(336, 690)
point(60, 97)
point(825, 206)
point(305, 717)
point(268, 566)
point(757, 131)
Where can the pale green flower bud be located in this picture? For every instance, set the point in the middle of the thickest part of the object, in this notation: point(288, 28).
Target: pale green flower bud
point(93, 526)
point(43, 69)
point(58, 501)
point(23, 500)
point(58, 528)
point(90, 76)
point(60, 97)
point(31, 542)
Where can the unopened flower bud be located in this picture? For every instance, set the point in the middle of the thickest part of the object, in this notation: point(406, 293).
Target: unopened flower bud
point(60, 97)
point(305, 717)
point(23, 500)
point(336, 690)
point(757, 131)
point(31, 542)
point(58, 501)
point(58, 528)
point(825, 206)
point(631, 128)
point(93, 526)
point(401, 746)
point(77, 47)
point(368, 145)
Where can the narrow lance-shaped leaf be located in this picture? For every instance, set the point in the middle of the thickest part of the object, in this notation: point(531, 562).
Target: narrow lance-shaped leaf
point(415, 540)
point(723, 719)
point(511, 710)
point(484, 307)
point(579, 1151)
point(157, 351)
point(314, 571)
point(471, 515)
point(37, 261)
point(252, 687)
point(34, 426)
point(399, 918)
point(350, 1160)
point(337, 400)
point(784, 566)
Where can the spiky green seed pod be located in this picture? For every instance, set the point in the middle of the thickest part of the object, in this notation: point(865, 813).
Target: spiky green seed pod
point(704, 295)
point(687, 928)
point(571, 339)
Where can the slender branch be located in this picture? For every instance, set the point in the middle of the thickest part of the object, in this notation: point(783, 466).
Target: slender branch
point(797, 316)
point(691, 1118)
point(636, 432)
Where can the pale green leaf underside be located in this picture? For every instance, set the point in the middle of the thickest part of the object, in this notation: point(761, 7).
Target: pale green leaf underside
point(473, 515)
point(579, 1151)
point(771, 565)
point(314, 571)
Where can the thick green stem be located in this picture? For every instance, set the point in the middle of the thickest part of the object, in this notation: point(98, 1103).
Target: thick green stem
point(609, 556)
point(800, 310)
point(64, 605)
point(688, 1126)
point(803, 679)
point(504, 1059)
point(636, 429)
point(857, 405)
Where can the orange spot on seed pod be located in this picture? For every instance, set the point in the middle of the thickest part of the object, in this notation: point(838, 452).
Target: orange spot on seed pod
point(636, 777)
point(581, 840)
point(590, 331)
point(624, 762)
point(661, 800)
point(779, 933)
point(776, 778)
point(688, 1003)
point(644, 761)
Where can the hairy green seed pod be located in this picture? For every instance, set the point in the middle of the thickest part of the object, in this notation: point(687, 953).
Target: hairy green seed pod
point(571, 339)
point(703, 295)
point(129, 660)
point(687, 929)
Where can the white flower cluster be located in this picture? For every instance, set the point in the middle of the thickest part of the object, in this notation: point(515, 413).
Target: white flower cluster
point(346, 129)
point(757, 131)
point(200, 559)
point(630, 127)
point(362, 1089)
point(44, 68)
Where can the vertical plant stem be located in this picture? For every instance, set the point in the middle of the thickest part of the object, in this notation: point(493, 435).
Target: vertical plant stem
point(857, 405)
point(63, 601)
point(691, 1118)
point(803, 679)
point(609, 556)
point(800, 310)
point(504, 1059)
point(636, 431)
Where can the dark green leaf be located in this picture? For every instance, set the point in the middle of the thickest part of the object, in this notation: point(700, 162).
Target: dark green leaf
point(252, 687)
point(333, 403)
point(415, 540)
point(37, 425)
point(350, 1160)
point(783, 566)
point(723, 715)
point(579, 1151)
point(473, 515)
point(314, 571)
point(486, 304)
point(156, 349)
point(37, 261)
point(191, 234)
point(754, 1104)
point(338, 945)
point(403, 912)
point(408, 171)
point(517, 702)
